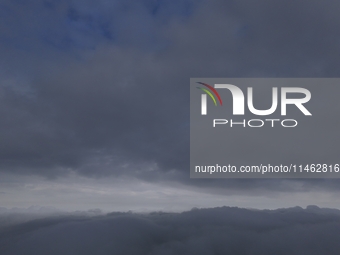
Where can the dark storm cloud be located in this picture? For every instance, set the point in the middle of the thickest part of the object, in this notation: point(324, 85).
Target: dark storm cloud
point(124, 109)
point(223, 230)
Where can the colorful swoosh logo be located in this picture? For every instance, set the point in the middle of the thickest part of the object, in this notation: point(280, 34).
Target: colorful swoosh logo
point(211, 92)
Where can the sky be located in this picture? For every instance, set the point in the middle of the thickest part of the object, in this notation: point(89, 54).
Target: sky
point(95, 102)
point(94, 127)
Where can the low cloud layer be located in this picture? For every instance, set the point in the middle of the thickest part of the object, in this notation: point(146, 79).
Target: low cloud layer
point(224, 230)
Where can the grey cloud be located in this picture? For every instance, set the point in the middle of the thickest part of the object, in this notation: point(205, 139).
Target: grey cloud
point(120, 110)
point(200, 231)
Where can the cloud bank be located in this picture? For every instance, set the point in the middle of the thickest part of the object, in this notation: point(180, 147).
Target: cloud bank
point(224, 230)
